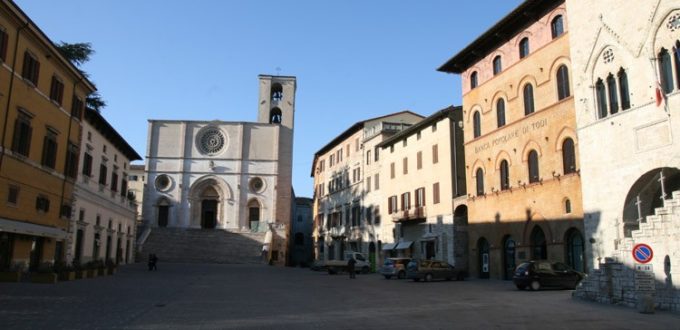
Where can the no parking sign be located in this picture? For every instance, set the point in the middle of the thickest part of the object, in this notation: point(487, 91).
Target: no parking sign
point(643, 253)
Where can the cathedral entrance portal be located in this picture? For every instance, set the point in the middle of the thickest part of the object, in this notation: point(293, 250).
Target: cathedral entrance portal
point(209, 214)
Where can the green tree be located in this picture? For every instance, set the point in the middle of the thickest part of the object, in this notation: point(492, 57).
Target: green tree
point(79, 53)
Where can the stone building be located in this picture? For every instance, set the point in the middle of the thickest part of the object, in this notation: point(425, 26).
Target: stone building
point(233, 176)
point(347, 184)
point(523, 183)
point(105, 223)
point(626, 78)
point(423, 190)
point(136, 186)
point(42, 95)
point(301, 242)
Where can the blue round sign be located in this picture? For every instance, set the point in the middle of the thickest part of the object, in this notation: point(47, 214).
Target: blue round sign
point(643, 253)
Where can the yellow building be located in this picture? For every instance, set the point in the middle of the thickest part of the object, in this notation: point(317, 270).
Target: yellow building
point(42, 95)
point(523, 177)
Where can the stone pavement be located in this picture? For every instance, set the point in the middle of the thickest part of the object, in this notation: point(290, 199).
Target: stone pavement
point(190, 296)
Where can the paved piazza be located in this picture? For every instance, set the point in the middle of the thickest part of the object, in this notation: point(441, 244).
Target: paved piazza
point(180, 296)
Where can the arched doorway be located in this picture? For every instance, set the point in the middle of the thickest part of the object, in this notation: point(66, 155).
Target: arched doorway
point(163, 212)
point(254, 214)
point(645, 195)
point(208, 197)
point(483, 259)
point(539, 248)
point(209, 200)
point(574, 247)
point(371, 256)
point(509, 263)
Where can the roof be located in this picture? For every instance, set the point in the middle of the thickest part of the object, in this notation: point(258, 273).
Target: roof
point(100, 124)
point(519, 19)
point(435, 117)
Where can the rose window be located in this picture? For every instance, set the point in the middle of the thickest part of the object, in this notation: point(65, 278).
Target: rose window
point(211, 141)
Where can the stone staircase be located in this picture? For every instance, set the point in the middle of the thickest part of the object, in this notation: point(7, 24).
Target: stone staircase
point(179, 245)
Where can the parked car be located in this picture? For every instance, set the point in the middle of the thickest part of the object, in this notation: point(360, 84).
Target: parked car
point(429, 270)
point(362, 265)
point(544, 273)
point(394, 267)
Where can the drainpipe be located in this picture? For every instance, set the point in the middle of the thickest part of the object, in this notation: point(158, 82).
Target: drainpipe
point(9, 93)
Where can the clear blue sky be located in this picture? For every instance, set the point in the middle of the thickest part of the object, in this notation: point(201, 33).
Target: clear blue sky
point(199, 60)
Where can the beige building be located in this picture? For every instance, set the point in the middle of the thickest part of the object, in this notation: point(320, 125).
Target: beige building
point(136, 186)
point(523, 171)
point(423, 182)
point(347, 194)
point(105, 225)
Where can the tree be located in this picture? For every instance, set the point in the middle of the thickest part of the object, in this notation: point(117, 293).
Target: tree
point(79, 53)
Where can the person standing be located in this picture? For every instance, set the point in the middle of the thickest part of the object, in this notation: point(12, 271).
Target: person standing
point(350, 267)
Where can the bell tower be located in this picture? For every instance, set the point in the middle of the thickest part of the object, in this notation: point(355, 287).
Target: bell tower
point(277, 100)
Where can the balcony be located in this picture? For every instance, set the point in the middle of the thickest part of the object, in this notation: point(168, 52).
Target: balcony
point(416, 214)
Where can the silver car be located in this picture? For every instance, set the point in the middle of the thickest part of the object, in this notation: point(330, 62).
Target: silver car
point(394, 267)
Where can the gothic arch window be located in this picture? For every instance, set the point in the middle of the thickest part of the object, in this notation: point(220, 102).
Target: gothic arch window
point(562, 82)
point(665, 70)
point(568, 156)
point(533, 166)
point(557, 26)
point(567, 206)
point(613, 94)
point(601, 96)
point(524, 48)
point(479, 177)
point(476, 124)
point(528, 93)
point(275, 116)
point(254, 215)
point(539, 248)
point(497, 65)
point(500, 112)
point(277, 92)
point(473, 80)
point(575, 250)
point(623, 89)
point(505, 175)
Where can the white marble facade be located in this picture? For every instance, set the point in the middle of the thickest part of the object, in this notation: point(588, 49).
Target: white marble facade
point(224, 175)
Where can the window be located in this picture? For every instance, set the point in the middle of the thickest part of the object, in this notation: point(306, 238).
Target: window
point(368, 184)
point(87, 164)
point(435, 154)
point(56, 90)
point(71, 168)
point(405, 164)
point(420, 197)
point(277, 92)
point(368, 157)
point(21, 142)
point(557, 26)
point(479, 176)
point(13, 195)
point(500, 113)
point(418, 135)
point(377, 155)
point(676, 57)
point(524, 48)
point(392, 204)
point(405, 142)
point(114, 181)
point(406, 201)
point(42, 204)
point(476, 124)
point(392, 148)
point(613, 95)
point(331, 160)
point(275, 116)
point(77, 109)
point(601, 96)
point(434, 127)
point(473, 80)
point(31, 68)
point(567, 206)
point(102, 174)
point(339, 155)
point(356, 144)
point(376, 181)
point(623, 88)
point(369, 215)
point(435, 193)
point(562, 82)
point(347, 147)
point(533, 167)
point(123, 186)
point(665, 71)
point(568, 156)
point(419, 160)
point(505, 175)
point(376, 215)
point(392, 171)
point(528, 99)
point(3, 45)
point(49, 155)
point(497, 65)
point(355, 215)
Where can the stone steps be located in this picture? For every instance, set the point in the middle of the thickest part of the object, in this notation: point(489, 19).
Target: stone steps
point(204, 246)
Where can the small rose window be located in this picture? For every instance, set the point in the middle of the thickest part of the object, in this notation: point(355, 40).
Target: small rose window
point(256, 185)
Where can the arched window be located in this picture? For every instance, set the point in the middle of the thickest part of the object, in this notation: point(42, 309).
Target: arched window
point(533, 166)
point(277, 92)
point(368, 157)
point(275, 116)
point(253, 214)
point(480, 181)
point(575, 249)
point(568, 156)
point(557, 26)
point(528, 99)
point(613, 94)
point(476, 124)
point(562, 82)
point(524, 48)
point(666, 71)
point(500, 112)
point(676, 57)
point(623, 88)
point(539, 248)
point(497, 65)
point(601, 95)
point(505, 175)
point(473, 80)
point(567, 206)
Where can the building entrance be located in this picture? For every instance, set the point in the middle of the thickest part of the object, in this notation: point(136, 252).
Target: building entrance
point(209, 214)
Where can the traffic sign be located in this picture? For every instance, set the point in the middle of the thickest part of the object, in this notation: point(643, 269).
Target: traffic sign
point(643, 253)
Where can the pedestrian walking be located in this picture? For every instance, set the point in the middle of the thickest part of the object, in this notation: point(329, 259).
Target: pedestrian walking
point(154, 261)
point(350, 267)
point(150, 262)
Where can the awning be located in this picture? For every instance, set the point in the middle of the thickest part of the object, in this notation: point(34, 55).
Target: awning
point(404, 245)
point(18, 227)
point(389, 246)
